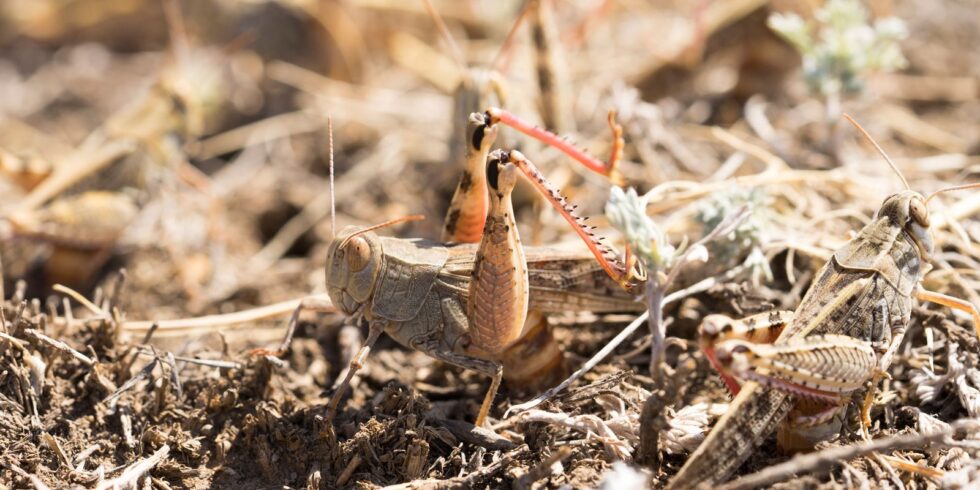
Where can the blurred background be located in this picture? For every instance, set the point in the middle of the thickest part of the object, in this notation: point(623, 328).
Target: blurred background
point(186, 142)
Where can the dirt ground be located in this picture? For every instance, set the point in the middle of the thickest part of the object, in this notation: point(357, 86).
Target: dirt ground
point(166, 203)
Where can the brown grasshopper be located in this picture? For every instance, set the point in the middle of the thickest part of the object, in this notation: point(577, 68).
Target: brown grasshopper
point(465, 304)
point(417, 291)
point(472, 139)
point(533, 358)
point(804, 365)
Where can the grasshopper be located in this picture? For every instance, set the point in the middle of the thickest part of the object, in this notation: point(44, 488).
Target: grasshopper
point(420, 292)
point(468, 209)
point(533, 358)
point(804, 365)
point(468, 304)
point(417, 291)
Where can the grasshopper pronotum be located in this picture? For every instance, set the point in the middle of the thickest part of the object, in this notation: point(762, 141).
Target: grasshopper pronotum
point(843, 335)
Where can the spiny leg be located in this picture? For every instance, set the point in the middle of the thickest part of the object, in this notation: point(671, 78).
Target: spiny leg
point(375, 328)
point(497, 115)
point(624, 272)
point(761, 328)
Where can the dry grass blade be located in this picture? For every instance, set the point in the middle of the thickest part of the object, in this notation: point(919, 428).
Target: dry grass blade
point(131, 476)
point(60, 346)
point(210, 322)
point(82, 300)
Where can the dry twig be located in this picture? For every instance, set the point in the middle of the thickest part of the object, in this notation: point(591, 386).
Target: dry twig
point(828, 458)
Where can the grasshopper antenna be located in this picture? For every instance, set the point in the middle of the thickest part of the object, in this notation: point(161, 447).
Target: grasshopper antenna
point(502, 61)
point(954, 188)
point(403, 219)
point(455, 53)
point(333, 195)
point(880, 151)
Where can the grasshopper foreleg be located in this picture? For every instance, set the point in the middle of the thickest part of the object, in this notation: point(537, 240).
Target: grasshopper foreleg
point(375, 328)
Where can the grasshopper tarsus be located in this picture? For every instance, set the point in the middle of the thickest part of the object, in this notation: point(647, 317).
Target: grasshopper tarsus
point(375, 328)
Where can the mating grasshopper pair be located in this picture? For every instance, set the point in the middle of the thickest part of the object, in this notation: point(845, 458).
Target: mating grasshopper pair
point(804, 365)
point(467, 305)
point(479, 307)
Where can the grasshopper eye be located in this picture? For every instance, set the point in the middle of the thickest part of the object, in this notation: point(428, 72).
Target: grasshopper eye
point(919, 212)
point(358, 254)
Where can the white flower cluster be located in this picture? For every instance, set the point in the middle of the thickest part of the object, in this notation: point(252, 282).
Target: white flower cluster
point(626, 210)
point(842, 48)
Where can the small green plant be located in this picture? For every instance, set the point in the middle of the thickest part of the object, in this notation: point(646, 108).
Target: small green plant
point(626, 210)
point(840, 48)
point(745, 242)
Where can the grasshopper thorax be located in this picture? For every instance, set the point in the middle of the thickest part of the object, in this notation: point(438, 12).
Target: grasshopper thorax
point(353, 263)
point(907, 210)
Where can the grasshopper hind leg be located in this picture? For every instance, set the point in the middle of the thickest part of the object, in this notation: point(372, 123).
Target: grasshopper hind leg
point(487, 367)
point(761, 328)
point(468, 209)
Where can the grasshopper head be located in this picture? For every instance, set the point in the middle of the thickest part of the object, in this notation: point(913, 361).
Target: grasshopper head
point(353, 263)
point(908, 210)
